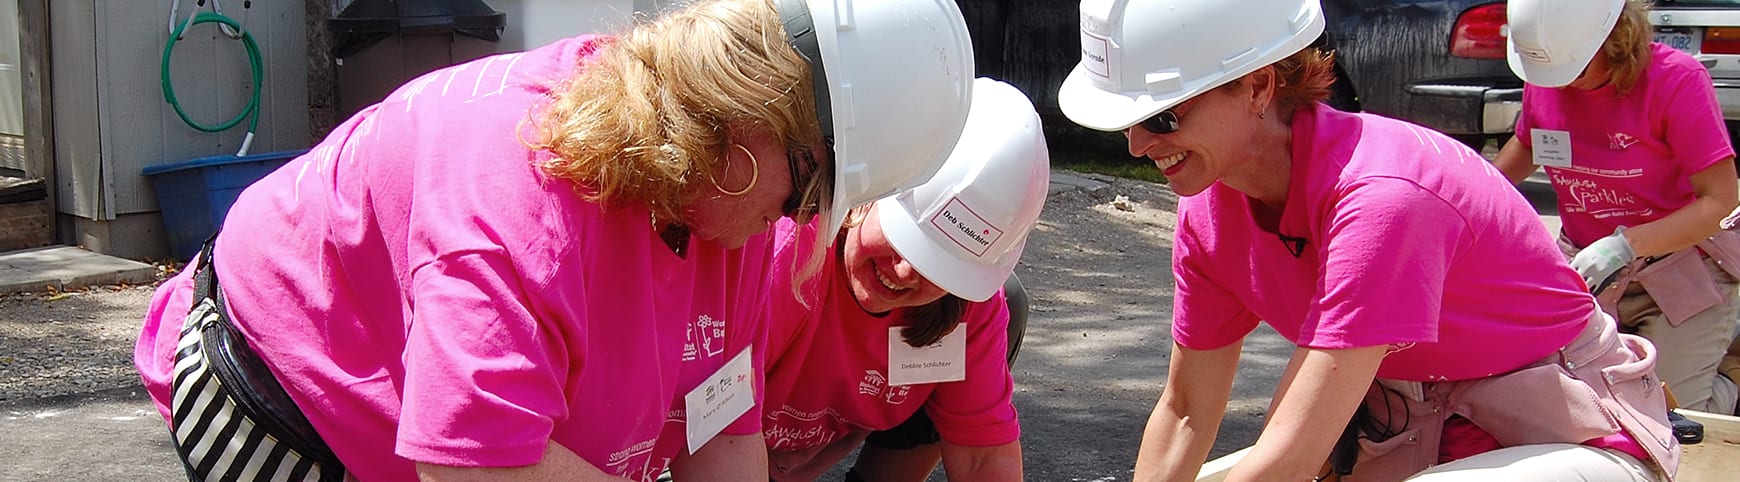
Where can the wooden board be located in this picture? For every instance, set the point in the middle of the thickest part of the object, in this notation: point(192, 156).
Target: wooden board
point(1718, 457)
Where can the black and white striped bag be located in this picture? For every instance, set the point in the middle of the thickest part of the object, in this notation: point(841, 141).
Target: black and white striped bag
point(230, 418)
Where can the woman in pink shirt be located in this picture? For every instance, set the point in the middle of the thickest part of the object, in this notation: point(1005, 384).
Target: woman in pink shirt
point(907, 324)
point(1633, 142)
point(1438, 331)
point(530, 266)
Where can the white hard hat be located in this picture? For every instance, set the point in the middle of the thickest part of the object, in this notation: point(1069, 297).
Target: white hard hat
point(1551, 41)
point(893, 81)
point(965, 228)
point(1140, 57)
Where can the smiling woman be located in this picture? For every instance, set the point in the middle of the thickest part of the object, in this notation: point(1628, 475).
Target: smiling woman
point(899, 350)
point(1367, 242)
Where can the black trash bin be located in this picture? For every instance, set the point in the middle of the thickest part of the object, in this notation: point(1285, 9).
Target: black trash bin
point(380, 44)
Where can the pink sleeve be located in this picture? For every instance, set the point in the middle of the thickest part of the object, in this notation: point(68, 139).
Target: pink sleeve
point(483, 381)
point(979, 411)
point(1693, 122)
point(1390, 243)
point(1205, 315)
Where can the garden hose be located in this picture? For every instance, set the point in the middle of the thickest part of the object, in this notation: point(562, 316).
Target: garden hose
point(255, 65)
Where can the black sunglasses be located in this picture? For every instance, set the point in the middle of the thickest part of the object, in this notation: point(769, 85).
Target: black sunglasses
point(810, 180)
point(1166, 122)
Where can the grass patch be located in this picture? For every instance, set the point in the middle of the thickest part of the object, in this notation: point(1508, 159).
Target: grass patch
point(1125, 167)
point(1085, 150)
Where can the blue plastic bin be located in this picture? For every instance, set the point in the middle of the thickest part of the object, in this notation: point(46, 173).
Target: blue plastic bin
point(196, 194)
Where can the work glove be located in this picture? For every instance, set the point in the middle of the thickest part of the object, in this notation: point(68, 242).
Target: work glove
point(1604, 257)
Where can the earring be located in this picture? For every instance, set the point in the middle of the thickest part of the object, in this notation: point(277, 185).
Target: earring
point(1261, 115)
point(755, 175)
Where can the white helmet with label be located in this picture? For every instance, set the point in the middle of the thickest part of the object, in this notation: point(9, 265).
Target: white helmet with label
point(1140, 57)
point(1552, 41)
point(893, 81)
point(965, 228)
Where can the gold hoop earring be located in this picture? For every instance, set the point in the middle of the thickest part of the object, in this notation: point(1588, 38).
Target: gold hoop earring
point(755, 175)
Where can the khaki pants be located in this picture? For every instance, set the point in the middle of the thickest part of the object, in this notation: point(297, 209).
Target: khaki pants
point(1690, 351)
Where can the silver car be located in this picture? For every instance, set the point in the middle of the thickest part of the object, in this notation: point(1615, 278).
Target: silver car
point(1710, 31)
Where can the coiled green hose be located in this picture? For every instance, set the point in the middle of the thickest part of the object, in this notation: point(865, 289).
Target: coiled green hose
point(255, 65)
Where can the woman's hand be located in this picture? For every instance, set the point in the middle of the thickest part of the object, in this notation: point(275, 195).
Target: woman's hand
point(1603, 258)
point(1316, 398)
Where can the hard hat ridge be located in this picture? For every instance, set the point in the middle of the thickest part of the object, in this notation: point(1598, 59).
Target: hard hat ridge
point(1140, 57)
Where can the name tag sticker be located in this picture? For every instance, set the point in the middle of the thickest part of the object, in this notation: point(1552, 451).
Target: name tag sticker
point(1552, 148)
point(945, 361)
point(1094, 49)
point(966, 228)
point(720, 400)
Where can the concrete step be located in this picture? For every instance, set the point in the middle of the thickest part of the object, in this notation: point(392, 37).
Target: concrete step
point(67, 268)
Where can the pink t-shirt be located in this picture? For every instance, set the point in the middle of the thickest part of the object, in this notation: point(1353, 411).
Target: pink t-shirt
point(425, 293)
point(1403, 238)
point(1392, 235)
point(827, 372)
point(1632, 156)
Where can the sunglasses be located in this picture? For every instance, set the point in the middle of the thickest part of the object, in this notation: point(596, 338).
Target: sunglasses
point(812, 183)
point(1166, 122)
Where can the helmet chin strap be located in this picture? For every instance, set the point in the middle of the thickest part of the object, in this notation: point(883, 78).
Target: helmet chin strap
point(800, 30)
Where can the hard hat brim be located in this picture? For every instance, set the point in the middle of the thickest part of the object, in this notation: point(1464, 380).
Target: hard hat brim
point(1542, 74)
point(1092, 107)
point(971, 281)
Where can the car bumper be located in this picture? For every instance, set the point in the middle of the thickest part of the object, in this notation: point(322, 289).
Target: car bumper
point(1497, 107)
point(1728, 94)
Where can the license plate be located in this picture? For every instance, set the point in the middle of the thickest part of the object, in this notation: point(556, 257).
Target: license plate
point(1685, 39)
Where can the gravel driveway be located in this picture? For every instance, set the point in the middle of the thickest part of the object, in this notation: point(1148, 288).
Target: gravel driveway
point(71, 343)
point(1091, 366)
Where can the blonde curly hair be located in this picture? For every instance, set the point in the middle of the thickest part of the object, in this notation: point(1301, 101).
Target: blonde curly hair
point(656, 109)
point(1627, 47)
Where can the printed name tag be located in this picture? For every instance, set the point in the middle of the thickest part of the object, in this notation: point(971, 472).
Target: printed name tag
point(946, 361)
point(1093, 54)
point(1552, 148)
point(720, 400)
point(973, 233)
